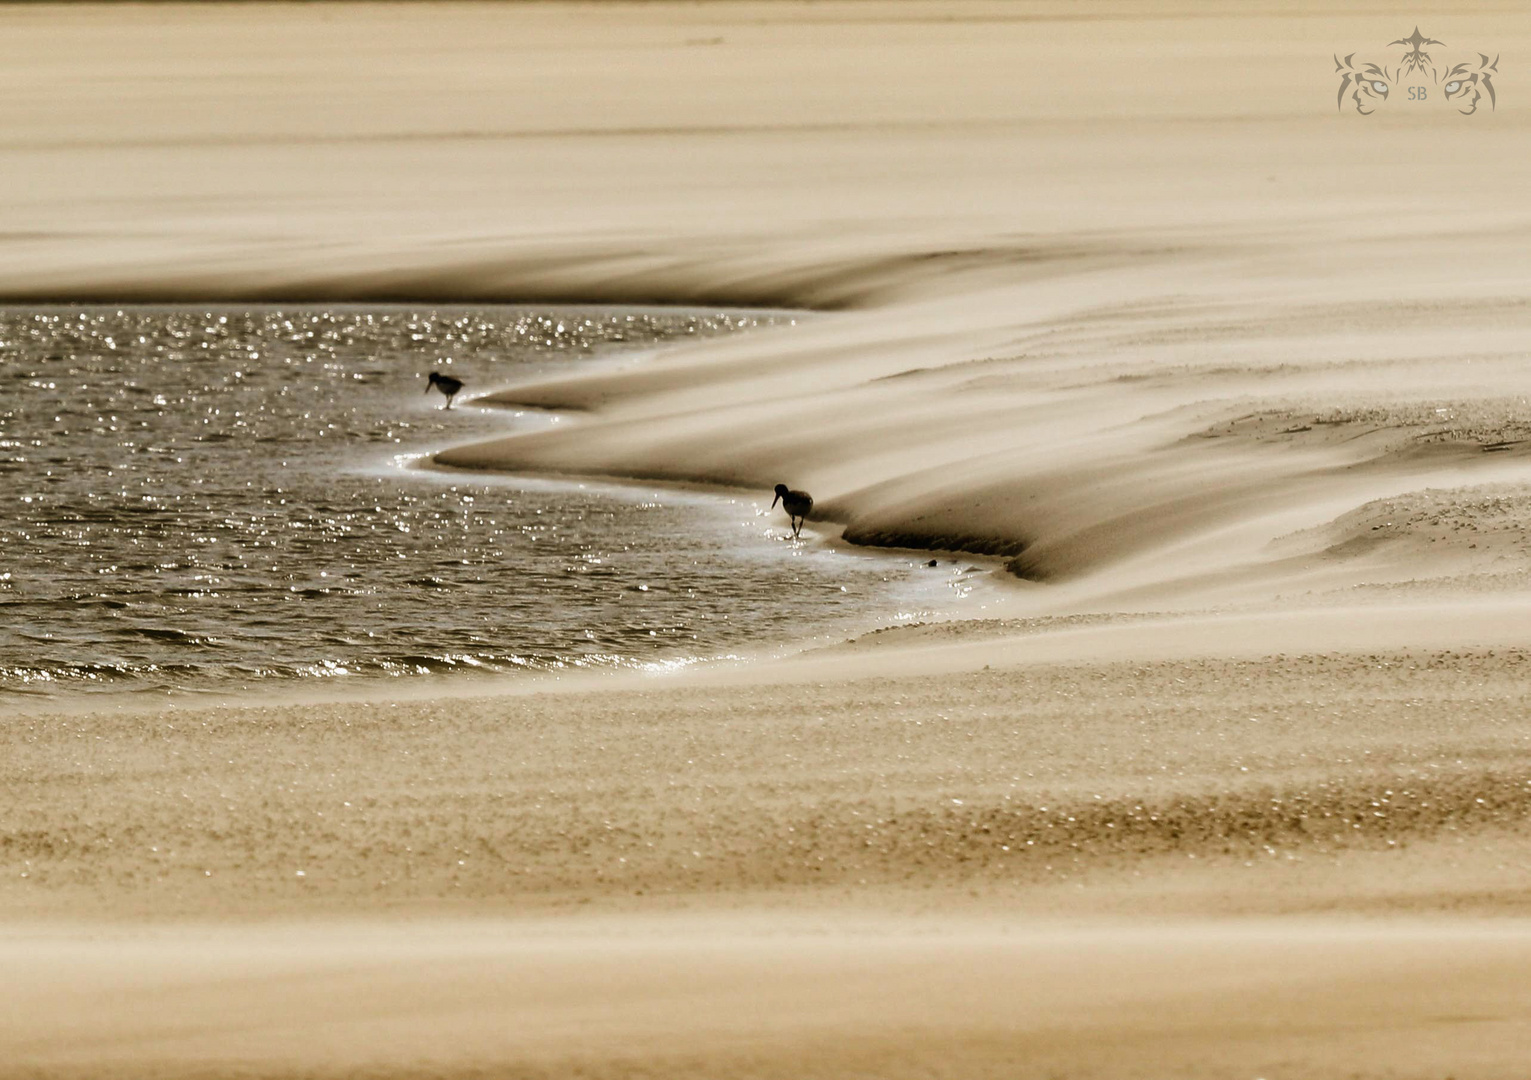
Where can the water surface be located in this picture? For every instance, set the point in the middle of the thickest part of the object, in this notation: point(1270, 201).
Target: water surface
point(220, 499)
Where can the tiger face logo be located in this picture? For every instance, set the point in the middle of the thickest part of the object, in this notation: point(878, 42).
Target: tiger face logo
point(1465, 85)
point(1416, 79)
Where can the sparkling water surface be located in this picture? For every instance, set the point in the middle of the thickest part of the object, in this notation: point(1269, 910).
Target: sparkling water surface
point(209, 499)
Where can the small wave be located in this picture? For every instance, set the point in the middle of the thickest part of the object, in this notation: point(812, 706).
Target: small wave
point(157, 633)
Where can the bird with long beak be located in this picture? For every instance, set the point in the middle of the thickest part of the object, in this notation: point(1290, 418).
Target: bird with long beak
point(445, 383)
point(797, 504)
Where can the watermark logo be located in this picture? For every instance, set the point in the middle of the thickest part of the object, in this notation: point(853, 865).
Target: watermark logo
point(1457, 82)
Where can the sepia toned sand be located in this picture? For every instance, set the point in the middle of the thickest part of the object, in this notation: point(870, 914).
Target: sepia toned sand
point(1081, 851)
point(1229, 775)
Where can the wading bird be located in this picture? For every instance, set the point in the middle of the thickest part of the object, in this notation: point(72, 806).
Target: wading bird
point(796, 504)
point(445, 383)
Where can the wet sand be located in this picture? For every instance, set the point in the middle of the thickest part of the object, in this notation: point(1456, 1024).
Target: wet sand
point(1230, 781)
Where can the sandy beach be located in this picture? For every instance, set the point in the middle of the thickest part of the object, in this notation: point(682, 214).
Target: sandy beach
point(1225, 385)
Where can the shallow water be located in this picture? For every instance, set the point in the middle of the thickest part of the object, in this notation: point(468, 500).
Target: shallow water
point(211, 499)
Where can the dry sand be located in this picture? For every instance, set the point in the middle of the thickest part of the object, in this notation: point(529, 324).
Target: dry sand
point(1232, 779)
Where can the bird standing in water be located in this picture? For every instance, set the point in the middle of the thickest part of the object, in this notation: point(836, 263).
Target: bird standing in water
point(796, 504)
point(445, 383)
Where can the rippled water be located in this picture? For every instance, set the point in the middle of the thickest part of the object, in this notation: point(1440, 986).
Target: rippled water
point(209, 499)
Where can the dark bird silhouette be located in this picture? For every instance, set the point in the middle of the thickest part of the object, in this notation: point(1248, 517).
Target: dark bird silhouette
point(797, 504)
point(445, 383)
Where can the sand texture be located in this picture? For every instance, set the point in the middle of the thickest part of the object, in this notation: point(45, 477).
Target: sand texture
point(1228, 777)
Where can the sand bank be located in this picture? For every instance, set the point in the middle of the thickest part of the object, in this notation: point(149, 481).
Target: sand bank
point(1062, 864)
point(1011, 759)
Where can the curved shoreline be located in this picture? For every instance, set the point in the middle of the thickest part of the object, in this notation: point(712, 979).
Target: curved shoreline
point(1133, 481)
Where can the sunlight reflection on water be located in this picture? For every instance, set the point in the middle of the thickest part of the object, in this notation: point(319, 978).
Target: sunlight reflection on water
point(208, 499)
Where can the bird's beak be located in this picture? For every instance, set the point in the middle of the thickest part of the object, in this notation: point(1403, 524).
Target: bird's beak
point(427, 388)
point(775, 501)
